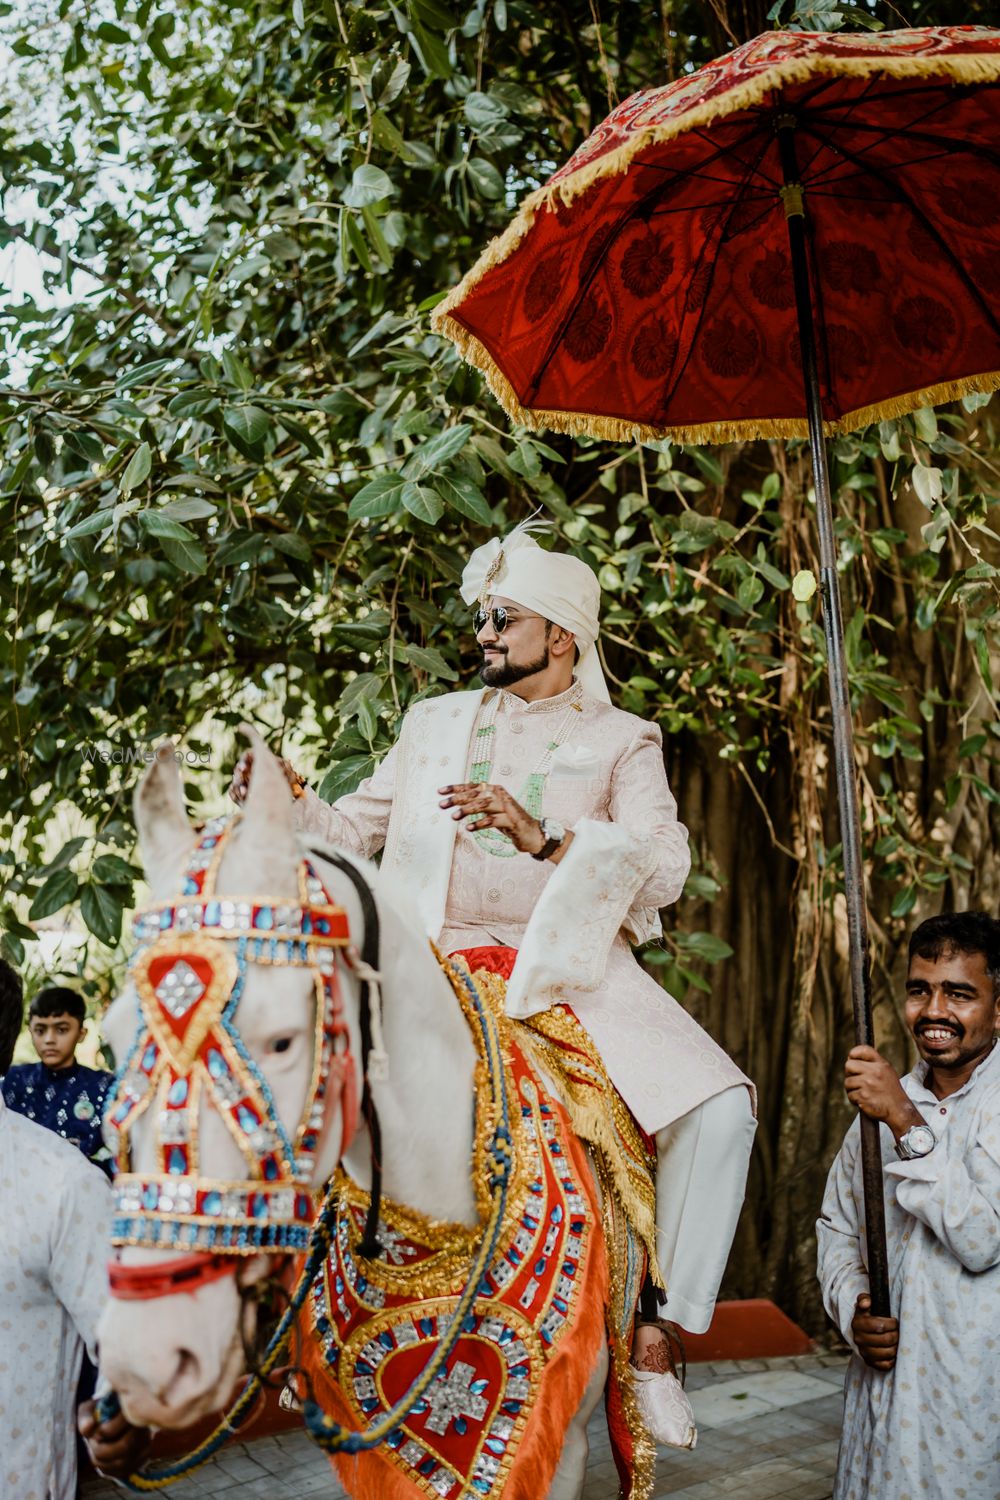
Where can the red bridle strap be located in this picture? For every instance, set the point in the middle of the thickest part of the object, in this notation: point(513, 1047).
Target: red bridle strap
point(185, 1273)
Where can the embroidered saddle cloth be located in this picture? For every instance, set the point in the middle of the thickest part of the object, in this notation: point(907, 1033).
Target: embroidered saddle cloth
point(624, 1160)
point(492, 1424)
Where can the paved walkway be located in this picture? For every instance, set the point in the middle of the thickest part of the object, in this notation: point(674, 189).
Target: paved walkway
point(767, 1430)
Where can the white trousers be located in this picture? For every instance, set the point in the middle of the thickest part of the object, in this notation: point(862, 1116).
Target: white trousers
point(701, 1175)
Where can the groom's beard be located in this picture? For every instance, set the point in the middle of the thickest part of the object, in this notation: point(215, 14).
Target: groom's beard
point(504, 672)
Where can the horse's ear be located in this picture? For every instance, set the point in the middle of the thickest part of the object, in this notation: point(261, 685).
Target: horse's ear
point(164, 831)
point(267, 829)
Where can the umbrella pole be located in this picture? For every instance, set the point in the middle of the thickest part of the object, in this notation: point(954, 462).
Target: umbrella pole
point(840, 702)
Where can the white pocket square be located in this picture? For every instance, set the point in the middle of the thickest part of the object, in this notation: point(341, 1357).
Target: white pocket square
point(574, 760)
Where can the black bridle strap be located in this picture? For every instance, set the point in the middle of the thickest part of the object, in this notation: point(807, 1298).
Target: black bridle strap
point(370, 1246)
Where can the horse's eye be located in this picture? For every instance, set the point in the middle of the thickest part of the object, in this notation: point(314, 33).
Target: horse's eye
point(282, 1044)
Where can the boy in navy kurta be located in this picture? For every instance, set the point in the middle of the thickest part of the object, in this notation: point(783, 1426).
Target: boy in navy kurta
point(58, 1092)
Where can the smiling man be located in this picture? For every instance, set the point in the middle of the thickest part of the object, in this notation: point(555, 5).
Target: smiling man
point(922, 1390)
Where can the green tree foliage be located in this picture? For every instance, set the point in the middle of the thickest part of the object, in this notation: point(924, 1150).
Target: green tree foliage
point(240, 477)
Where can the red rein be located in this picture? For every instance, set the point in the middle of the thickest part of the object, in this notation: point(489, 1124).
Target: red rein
point(185, 1273)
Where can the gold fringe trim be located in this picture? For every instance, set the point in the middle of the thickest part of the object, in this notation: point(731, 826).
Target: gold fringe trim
point(619, 430)
point(643, 1446)
point(599, 1117)
point(957, 68)
point(596, 1124)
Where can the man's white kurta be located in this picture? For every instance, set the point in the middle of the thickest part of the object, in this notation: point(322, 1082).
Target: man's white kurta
point(928, 1429)
point(572, 923)
point(55, 1220)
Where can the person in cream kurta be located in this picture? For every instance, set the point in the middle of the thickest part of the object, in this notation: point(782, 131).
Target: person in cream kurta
point(572, 917)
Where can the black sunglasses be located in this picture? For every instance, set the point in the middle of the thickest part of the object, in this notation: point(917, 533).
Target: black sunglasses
point(498, 614)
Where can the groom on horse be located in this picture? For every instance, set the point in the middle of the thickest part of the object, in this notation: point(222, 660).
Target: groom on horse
point(531, 824)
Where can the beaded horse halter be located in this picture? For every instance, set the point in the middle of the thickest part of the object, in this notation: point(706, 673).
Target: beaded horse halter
point(189, 971)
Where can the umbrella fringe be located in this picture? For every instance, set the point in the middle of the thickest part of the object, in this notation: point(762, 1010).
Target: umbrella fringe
point(620, 430)
point(568, 186)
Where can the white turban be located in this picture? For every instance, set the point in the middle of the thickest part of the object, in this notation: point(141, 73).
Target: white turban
point(555, 585)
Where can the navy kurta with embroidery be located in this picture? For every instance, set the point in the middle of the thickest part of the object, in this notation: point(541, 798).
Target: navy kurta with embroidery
point(69, 1101)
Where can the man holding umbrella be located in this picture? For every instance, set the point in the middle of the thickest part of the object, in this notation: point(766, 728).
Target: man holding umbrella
point(921, 1394)
point(531, 824)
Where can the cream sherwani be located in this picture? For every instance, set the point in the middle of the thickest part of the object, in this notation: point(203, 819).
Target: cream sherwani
point(572, 923)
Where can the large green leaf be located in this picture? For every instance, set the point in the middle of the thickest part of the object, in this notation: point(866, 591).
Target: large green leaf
point(379, 497)
point(344, 776)
point(58, 891)
point(186, 555)
point(429, 660)
point(101, 908)
point(432, 456)
point(465, 497)
point(423, 503)
point(368, 185)
point(158, 523)
point(247, 426)
point(137, 469)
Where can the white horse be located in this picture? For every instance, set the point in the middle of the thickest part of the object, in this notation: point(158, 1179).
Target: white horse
point(175, 1358)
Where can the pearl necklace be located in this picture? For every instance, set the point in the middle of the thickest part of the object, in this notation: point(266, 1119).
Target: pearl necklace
point(494, 840)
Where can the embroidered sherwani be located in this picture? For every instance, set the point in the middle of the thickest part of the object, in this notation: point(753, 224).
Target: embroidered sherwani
point(69, 1101)
point(927, 1429)
point(55, 1218)
point(572, 923)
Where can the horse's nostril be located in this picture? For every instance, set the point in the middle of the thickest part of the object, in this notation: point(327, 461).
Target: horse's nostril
point(185, 1382)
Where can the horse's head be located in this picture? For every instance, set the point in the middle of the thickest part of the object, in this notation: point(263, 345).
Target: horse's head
point(238, 1088)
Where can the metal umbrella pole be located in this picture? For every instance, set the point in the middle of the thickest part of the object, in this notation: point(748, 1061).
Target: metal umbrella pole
point(840, 702)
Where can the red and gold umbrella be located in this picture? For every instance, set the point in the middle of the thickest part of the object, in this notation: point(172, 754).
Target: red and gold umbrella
point(798, 239)
point(647, 289)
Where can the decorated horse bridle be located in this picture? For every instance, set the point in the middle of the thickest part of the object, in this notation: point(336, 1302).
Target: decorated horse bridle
point(200, 946)
point(189, 970)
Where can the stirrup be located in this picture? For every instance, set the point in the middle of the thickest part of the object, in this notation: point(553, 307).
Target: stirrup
point(664, 1407)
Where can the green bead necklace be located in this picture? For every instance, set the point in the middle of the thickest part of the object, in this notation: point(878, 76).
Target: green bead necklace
point(494, 840)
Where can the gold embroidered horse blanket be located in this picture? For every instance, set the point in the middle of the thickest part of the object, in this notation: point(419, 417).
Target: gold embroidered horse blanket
point(494, 1421)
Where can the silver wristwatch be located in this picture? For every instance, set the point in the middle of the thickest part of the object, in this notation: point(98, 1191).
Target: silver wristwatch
point(919, 1140)
point(553, 833)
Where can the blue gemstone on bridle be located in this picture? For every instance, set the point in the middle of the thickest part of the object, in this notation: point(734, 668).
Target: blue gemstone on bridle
point(190, 887)
point(150, 1195)
point(247, 1120)
point(217, 1065)
point(167, 917)
point(149, 1056)
point(213, 912)
point(176, 1161)
point(258, 1206)
point(271, 1169)
point(264, 918)
point(178, 1091)
point(211, 1203)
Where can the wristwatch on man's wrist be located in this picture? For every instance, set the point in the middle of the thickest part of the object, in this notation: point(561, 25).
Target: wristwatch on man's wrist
point(553, 833)
point(918, 1141)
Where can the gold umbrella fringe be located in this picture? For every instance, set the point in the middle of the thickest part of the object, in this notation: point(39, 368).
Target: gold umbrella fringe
point(959, 69)
point(620, 430)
